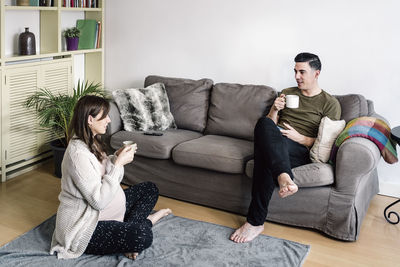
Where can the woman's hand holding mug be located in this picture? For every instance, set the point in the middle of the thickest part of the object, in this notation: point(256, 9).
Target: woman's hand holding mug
point(125, 154)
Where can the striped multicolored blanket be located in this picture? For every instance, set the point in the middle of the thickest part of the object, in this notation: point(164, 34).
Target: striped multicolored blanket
point(373, 129)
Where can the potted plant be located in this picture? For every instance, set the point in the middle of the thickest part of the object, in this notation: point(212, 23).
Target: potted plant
point(72, 38)
point(54, 113)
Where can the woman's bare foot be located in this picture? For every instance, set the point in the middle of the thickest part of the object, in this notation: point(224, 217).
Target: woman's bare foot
point(286, 185)
point(246, 233)
point(132, 255)
point(156, 216)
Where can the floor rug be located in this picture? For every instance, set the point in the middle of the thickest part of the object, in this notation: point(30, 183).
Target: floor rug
point(177, 242)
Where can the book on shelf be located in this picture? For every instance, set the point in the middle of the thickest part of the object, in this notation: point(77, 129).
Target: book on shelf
point(34, 2)
point(90, 33)
point(81, 3)
point(98, 34)
point(44, 2)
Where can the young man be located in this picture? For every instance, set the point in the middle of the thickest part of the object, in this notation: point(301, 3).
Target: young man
point(282, 140)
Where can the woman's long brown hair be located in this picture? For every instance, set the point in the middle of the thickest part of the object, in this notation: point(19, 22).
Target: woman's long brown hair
point(79, 127)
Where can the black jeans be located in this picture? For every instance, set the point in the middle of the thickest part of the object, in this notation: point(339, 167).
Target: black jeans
point(132, 235)
point(273, 154)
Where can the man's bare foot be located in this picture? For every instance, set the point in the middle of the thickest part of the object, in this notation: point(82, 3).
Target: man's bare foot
point(246, 233)
point(286, 185)
point(156, 216)
point(132, 255)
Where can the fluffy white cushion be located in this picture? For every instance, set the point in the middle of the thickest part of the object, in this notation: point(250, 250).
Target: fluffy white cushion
point(328, 131)
point(144, 109)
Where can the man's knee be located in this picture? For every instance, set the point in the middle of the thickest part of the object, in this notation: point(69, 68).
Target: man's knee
point(264, 121)
point(264, 125)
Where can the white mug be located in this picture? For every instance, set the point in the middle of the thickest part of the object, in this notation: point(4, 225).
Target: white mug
point(292, 101)
point(129, 143)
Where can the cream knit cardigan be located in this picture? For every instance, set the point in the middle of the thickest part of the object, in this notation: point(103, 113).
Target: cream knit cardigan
point(83, 194)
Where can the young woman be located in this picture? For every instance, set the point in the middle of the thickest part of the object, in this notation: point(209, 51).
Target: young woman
point(95, 215)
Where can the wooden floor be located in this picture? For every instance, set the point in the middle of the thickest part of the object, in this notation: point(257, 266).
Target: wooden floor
point(29, 199)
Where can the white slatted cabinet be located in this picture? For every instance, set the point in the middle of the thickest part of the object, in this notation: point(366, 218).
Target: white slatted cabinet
point(21, 142)
point(18, 146)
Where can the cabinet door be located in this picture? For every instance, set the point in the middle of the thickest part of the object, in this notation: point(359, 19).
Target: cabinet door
point(21, 139)
point(19, 124)
point(57, 78)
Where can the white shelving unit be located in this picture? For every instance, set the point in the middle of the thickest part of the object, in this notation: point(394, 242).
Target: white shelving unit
point(52, 67)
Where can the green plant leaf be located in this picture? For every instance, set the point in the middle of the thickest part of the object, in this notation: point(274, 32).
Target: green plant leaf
point(55, 110)
point(72, 32)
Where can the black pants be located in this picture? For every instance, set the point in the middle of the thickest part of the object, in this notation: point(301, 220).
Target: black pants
point(273, 154)
point(132, 235)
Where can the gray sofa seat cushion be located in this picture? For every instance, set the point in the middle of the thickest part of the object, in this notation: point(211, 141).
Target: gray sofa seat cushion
point(310, 175)
point(157, 147)
point(235, 108)
point(212, 152)
point(353, 106)
point(189, 100)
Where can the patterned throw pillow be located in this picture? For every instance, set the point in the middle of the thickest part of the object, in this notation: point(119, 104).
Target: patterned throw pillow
point(144, 109)
point(328, 131)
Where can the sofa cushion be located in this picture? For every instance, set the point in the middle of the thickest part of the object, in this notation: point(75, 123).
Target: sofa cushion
point(310, 175)
point(158, 147)
point(235, 109)
point(212, 152)
point(189, 100)
point(144, 109)
point(353, 106)
point(328, 131)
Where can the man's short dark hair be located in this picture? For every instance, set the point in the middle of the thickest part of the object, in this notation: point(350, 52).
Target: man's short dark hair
point(312, 59)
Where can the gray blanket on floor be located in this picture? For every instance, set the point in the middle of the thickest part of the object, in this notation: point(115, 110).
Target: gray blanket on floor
point(177, 242)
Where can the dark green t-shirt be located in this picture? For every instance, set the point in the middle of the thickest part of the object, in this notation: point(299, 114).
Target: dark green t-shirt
point(307, 117)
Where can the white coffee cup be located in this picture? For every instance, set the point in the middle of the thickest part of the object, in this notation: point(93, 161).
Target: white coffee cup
point(129, 143)
point(292, 101)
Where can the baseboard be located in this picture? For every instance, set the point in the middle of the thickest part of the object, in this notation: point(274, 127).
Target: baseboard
point(389, 189)
point(27, 168)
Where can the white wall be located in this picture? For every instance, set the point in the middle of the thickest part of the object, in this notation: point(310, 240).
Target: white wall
point(255, 42)
point(16, 22)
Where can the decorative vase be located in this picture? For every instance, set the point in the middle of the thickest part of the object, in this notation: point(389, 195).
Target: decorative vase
point(72, 43)
point(22, 2)
point(27, 43)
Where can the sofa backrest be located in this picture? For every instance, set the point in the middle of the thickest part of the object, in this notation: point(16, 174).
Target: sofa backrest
point(235, 108)
point(189, 100)
point(354, 106)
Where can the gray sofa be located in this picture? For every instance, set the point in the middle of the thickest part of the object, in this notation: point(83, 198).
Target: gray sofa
point(208, 159)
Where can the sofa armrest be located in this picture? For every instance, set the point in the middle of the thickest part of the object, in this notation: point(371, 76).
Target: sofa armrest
point(116, 123)
point(356, 157)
